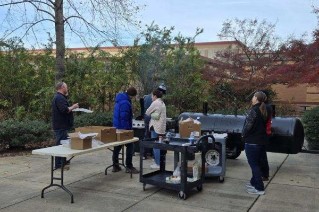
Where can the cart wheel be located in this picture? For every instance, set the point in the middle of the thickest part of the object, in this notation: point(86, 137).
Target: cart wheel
point(199, 188)
point(182, 195)
point(221, 179)
point(144, 185)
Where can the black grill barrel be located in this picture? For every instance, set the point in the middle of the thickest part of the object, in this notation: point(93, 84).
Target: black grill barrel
point(287, 133)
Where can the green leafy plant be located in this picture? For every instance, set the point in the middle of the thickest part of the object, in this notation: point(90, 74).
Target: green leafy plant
point(23, 134)
point(310, 120)
point(91, 119)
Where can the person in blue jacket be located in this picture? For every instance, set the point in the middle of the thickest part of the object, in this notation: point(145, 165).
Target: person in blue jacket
point(122, 119)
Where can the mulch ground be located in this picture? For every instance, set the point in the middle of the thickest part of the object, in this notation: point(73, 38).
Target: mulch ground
point(15, 152)
point(10, 152)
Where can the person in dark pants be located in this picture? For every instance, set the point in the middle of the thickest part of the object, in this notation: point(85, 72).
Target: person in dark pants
point(62, 117)
point(122, 119)
point(264, 158)
point(255, 137)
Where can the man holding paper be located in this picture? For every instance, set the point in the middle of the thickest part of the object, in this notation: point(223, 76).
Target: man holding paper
point(62, 117)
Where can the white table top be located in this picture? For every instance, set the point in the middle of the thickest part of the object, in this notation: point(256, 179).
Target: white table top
point(62, 151)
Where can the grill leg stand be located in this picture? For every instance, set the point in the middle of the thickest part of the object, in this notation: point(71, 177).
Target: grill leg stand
point(57, 178)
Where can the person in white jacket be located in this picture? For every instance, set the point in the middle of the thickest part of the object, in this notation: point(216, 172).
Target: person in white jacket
point(157, 125)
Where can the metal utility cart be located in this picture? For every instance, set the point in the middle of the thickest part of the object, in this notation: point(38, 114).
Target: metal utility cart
point(181, 147)
point(215, 157)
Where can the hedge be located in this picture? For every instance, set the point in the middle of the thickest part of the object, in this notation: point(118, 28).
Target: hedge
point(24, 134)
point(310, 120)
point(93, 119)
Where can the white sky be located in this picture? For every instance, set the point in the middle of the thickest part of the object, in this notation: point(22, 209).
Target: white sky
point(291, 16)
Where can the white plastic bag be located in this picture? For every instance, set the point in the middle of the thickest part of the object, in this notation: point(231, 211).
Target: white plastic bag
point(177, 171)
point(197, 166)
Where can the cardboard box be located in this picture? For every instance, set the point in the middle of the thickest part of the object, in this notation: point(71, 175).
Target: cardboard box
point(78, 143)
point(105, 134)
point(108, 134)
point(187, 126)
point(123, 135)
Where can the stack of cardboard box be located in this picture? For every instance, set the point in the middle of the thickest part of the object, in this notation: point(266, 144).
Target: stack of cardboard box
point(107, 134)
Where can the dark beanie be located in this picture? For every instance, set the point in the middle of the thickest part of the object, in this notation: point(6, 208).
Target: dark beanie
point(131, 91)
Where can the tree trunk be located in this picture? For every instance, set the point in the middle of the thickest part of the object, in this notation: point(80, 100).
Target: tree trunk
point(60, 41)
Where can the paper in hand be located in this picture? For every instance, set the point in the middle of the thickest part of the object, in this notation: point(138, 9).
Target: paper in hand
point(82, 110)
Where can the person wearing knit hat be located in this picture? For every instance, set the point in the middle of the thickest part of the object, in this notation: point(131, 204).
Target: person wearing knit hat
point(122, 119)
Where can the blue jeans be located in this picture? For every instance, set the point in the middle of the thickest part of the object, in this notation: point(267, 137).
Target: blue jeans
point(60, 135)
point(156, 152)
point(264, 164)
point(254, 153)
point(129, 155)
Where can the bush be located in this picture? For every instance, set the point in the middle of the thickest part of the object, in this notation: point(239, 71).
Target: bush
point(310, 120)
point(93, 119)
point(23, 134)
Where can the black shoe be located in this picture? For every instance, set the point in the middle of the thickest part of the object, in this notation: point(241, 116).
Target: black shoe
point(116, 168)
point(265, 178)
point(133, 170)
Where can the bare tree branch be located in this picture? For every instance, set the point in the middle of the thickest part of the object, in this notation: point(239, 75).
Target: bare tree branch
point(26, 1)
point(42, 10)
point(32, 24)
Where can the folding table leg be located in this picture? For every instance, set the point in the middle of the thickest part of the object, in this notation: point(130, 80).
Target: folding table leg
point(57, 178)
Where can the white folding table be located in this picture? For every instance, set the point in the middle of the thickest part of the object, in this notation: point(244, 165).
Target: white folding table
point(66, 152)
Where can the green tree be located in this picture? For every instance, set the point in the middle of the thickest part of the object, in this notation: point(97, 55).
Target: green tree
point(87, 20)
point(169, 59)
point(25, 81)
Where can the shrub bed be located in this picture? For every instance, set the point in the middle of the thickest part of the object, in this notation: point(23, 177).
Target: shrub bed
point(93, 119)
point(24, 134)
point(310, 120)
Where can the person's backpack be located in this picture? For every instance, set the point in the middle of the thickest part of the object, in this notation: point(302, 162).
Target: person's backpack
point(268, 126)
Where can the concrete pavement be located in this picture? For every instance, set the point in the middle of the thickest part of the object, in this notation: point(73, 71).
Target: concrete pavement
point(294, 186)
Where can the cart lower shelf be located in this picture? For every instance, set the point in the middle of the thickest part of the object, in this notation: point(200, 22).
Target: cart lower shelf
point(158, 178)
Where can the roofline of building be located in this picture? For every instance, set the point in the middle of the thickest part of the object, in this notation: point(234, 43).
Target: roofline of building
point(119, 47)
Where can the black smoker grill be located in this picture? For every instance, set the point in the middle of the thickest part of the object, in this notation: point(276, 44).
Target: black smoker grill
point(287, 133)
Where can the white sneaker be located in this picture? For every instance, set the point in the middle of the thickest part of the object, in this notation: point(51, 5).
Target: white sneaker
point(155, 166)
point(254, 191)
point(248, 185)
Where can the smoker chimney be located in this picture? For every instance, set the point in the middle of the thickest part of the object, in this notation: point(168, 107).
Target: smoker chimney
point(205, 107)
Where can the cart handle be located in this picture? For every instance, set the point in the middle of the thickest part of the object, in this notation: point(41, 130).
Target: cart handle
point(202, 142)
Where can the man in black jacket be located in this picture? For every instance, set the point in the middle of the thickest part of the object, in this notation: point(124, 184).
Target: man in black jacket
point(62, 117)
